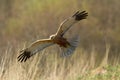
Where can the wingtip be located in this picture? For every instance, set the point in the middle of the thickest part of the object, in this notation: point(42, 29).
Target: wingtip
point(24, 56)
point(80, 15)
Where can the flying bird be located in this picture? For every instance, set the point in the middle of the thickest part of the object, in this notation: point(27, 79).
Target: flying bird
point(67, 46)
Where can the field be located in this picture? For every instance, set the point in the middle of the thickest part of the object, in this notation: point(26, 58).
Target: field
point(96, 57)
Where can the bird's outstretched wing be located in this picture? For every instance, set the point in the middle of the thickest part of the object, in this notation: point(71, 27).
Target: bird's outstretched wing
point(66, 24)
point(34, 48)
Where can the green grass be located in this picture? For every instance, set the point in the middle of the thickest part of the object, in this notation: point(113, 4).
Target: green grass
point(110, 73)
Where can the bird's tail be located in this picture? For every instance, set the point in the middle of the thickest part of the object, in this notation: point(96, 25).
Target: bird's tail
point(71, 48)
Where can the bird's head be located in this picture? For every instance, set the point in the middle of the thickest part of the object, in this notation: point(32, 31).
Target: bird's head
point(52, 36)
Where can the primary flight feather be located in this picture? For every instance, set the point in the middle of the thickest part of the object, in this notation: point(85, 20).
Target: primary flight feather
point(67, 46)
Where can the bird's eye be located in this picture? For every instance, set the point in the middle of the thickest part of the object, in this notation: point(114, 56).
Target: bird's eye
point(51, 37)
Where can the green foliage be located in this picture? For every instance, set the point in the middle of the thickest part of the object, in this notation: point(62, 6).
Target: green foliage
point(113, 73)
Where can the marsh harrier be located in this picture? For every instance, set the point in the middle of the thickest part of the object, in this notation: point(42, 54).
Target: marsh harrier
point(67, 46)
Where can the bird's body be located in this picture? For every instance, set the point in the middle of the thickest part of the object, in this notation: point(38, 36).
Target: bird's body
point(60, 40)
point(67, 46)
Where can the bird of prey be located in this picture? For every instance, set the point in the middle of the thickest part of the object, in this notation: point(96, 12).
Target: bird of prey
point(66, 46)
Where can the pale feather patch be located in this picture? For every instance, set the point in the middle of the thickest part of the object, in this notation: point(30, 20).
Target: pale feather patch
point(39, 45)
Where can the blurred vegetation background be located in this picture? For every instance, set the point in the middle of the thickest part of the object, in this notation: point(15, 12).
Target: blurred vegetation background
point(24, 21)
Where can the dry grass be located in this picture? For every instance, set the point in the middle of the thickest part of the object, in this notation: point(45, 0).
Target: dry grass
point(49, 66)
point(22, 22)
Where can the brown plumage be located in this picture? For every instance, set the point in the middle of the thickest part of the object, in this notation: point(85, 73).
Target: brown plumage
point(67, 46)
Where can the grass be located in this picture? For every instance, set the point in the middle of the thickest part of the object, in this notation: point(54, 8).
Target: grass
point(49, 66)
point(103, 73)
point(96, 58)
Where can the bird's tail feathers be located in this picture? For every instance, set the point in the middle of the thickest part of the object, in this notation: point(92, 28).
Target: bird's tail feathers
point(71, 48)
